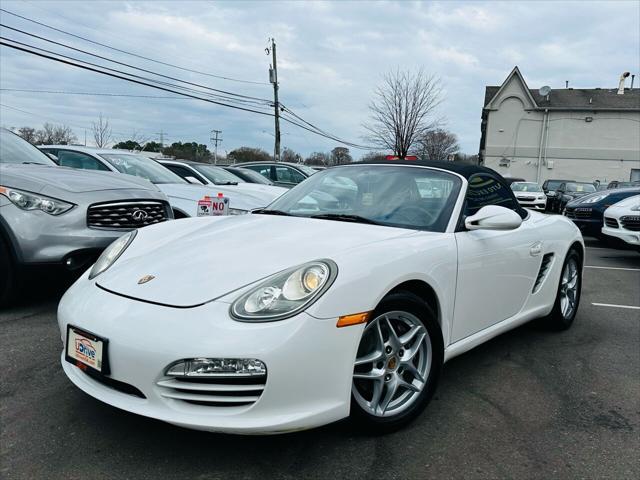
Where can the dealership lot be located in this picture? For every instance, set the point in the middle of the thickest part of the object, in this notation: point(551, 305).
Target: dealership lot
point(528, 404)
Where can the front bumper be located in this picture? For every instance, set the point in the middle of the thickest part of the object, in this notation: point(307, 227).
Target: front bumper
point(632, 238)
point(309, 361)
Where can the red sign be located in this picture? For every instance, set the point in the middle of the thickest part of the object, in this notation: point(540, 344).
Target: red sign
point(408, 157)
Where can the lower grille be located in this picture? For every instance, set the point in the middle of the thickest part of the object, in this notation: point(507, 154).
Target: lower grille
point(631, 222)
point(578, 212)
point(126, 215)
point(527, 199)
point(114, 384)
point(611, 222)
point(220, 391)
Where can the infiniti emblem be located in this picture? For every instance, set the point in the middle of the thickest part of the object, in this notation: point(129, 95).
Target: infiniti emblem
point(139, 215)
point(145, 279)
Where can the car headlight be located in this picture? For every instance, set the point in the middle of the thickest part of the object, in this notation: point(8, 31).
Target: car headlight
point(111, 254)
point(32, 201)
point(237, 211)
point(286, 293)
point(595, 199)
point(541, 197)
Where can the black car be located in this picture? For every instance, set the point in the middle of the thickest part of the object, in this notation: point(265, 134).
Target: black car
point(617, 184)
point(587, 212)
point(570, 191)
point(549, 188)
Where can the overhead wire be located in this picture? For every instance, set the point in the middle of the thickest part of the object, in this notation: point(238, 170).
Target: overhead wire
point(221, 77)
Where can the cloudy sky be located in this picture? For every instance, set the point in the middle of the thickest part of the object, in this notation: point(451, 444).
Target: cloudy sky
point(331, 55)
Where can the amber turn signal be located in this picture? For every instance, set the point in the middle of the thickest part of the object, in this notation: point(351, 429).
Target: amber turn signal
point(354, 319)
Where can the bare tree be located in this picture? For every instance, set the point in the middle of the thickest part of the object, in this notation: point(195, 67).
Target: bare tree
point(437, 144)
point(403, 110)
point(318, 158)
point(373, 156)
point(28, 133)
point(288, 155)
point(101, 132)
point(54, 135)
point(340, 156)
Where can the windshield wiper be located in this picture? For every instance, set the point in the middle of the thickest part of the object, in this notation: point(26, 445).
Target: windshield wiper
point(227, 183)
point(267, 211)
point(345, 217)
point(33, 163)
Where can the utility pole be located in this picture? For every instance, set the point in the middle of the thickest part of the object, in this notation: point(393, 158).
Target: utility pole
point(215, 140)
point(273, 78)
point(162, 134)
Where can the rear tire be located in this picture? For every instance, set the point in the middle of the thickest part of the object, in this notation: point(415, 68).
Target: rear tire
point(7, 274)
point(568, 294)
point(398, 364)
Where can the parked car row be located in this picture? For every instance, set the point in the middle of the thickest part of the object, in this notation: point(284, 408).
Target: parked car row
point(63, 204)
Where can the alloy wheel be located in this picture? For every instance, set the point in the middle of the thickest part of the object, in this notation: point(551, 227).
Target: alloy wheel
point(392, 364)
point(569, 288)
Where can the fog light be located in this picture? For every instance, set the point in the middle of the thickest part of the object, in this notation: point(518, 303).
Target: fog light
point(214, 367)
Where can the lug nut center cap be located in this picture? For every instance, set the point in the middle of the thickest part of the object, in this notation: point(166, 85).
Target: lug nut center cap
point(392, 363)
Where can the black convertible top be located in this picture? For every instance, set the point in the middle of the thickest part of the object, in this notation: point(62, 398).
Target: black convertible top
point(464, 169)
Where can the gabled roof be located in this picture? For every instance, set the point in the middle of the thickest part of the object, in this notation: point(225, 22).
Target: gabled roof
point(586, 99)
point(514, 73)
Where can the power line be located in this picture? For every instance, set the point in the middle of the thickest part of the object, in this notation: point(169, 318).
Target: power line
point(96, 94)
point(3, 41)
point(85, 52)
point(221, 77)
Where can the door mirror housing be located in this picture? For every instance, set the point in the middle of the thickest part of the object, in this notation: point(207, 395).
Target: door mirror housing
point(493, 217)
point(193, 180)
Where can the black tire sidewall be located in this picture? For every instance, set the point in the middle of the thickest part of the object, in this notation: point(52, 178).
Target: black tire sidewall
point(556, 319)
point(413, 304)
point(7, 270)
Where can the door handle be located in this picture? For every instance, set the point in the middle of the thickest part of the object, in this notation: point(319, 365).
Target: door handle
point(536, 249)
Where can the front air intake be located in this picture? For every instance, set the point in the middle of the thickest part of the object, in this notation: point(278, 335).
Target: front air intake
point(547, 260)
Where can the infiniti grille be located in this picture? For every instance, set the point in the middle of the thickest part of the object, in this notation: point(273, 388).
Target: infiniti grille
point(126, 215)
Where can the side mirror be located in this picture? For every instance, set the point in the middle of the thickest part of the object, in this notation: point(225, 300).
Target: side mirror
point(551, 193)
point(493, 217)
point(193, 180)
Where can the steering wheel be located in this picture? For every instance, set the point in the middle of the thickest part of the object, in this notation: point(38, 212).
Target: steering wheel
point(414, 214)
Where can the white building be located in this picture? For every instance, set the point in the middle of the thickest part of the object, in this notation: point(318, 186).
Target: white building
point(569, 133)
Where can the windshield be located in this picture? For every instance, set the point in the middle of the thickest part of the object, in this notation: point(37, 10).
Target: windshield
point(14, 149)
point(307, 170)
point(554, 184)
point(141, 166)
point(217, 175)
point(580, 187)
point(407, 197)
point(250, 176)
point(525, 187)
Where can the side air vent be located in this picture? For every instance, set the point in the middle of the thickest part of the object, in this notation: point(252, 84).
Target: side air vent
point(547, 260)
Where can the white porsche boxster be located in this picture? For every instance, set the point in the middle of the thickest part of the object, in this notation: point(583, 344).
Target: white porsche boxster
point(343, 298)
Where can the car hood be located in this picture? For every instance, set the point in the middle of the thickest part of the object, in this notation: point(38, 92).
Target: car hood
point(200, 259)
point(51, 180)
point(240, 199)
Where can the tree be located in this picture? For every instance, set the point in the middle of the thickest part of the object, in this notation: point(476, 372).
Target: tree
point(319, 158)
point(128, 145)
point(288, 155)
point(54, 135)
point(28, 133)
point(373, 157)
point(248, 154)
point(152, 147)
point(402, 110)
point(188, 151)
point(437, 145)
point(340, 156)
point(101, 132)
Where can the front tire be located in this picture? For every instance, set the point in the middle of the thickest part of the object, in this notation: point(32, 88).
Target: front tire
point(398, 363)
point(567, 300)
point(7, 274)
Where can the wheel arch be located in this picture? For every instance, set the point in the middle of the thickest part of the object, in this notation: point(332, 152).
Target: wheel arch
point(424, 291)
point(578, 247)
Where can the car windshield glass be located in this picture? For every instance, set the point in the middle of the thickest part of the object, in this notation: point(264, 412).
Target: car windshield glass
point(250, 175)
point(14, 149)
point(141, 166)
point(580, 187)
point(407, 197)
point(307, 170)
point(554, 184)
point(217, 175)
point(525, 187)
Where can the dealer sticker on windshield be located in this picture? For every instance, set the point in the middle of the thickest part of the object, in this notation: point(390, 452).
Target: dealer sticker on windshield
point(213, 206)
point(86, 349)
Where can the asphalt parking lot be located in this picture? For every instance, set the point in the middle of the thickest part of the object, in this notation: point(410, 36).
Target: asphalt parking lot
point(528, 404)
